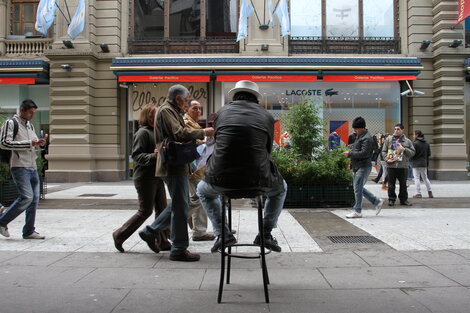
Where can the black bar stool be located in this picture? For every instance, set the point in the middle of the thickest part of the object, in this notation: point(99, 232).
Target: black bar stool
point(226, 200)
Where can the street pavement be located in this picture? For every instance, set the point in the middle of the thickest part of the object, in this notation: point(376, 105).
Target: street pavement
point(419, 260)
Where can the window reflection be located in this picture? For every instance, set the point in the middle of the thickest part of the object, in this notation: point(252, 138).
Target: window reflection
point(305, 18)
point(378, 18)
point(221, 18)
point(342, 18)
point(148, 19)
point(184, 18)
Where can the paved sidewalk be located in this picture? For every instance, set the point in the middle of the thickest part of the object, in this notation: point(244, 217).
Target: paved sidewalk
point(422, 263)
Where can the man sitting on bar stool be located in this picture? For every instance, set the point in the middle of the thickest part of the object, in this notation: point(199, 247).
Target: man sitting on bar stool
point(241, 161)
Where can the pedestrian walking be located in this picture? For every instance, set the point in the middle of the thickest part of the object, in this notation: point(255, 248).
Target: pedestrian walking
point(170, 124)
point(420, 163)
point(150, 189)
point(18, 135)
point(197, 217)
point(361, 164)
point(397, 151)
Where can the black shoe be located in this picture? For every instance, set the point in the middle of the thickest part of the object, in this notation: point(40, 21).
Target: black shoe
point(269, 242)
point(406, 203)
point(391, 203)
point(150, 240)
point(184, 256)
point(375, 181)
point(230, 241)
point(118, 243)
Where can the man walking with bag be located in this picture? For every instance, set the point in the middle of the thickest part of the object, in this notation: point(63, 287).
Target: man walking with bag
point(17, 135)
point(169, 123)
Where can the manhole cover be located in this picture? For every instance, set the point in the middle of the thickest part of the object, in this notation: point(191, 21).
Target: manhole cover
point(353, 239)
point(98, 195)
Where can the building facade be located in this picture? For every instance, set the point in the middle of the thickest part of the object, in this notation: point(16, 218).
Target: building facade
point(352, 58)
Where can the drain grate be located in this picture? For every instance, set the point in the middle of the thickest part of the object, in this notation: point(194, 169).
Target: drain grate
point(354, 239)
point(98, 195)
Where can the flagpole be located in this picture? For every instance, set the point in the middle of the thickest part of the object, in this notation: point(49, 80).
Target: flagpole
point(68, 22)
point(66, 5)
point(256, 13)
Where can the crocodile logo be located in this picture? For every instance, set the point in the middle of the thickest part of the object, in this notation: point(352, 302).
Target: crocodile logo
point(330, 92)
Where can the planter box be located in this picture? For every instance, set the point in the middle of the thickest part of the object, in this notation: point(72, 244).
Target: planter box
point(9, 193)
point(308, 196)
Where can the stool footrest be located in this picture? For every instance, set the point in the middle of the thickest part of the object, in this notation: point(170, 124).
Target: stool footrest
point(246, 255)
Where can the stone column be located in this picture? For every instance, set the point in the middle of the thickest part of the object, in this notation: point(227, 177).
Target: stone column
point(3, 25)
point(449, 141)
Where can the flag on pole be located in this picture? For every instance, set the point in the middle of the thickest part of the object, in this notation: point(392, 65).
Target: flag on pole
point(270, 9)
point(283, 16)
point(77, 24)
point(45, 15)
point(245, 11)
point(464, 11)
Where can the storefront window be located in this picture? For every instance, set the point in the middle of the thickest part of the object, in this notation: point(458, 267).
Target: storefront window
point(378, 102)
point(342, 18)
point(306, 18)
point(378, 18)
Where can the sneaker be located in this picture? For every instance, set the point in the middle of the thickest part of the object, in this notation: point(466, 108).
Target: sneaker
point(405, 203)
point(4, 231)
point(230, 241)
point(150, 240)
point(184, 256)
point(391, 203)
point(269, 242)
point(378, 207)
point(205, 237)
point(417, 196)
point(354, 214)
point(34, 235)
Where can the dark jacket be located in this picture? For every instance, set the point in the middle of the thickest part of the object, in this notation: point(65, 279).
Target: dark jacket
point(423, 152)
point(142, 154)
point(243, 141)
point(361, 151)
point(172, 121)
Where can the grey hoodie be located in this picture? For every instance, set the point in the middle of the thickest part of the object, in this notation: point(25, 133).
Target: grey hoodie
point(23, 152)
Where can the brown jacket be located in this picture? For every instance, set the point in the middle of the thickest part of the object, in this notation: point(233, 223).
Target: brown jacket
point(172, 123)
point(188, 120)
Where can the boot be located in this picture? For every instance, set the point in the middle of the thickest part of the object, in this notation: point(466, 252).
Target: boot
point(430, 194)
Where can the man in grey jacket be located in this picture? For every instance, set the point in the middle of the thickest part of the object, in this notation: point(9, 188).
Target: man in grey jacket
point(361, 154)
point(23, 168)
point(397, 152)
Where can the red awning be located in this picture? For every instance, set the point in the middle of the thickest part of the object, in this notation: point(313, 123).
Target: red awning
point(366, 78)
point(17, 80)
point(267, 78)
point(163, 78)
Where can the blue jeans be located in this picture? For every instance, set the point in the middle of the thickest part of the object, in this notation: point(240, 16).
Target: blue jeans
point(211, 202)
point(27, 183)
point(175, 214)
point(360, 179)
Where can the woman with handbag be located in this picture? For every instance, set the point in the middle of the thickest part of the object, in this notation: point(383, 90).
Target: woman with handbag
point(150, 189)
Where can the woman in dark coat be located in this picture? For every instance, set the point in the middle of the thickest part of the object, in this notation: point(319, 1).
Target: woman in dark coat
point(150, 189)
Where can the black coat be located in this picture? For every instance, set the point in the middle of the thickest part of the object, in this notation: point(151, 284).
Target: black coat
point(423, 152)
point(243, 141)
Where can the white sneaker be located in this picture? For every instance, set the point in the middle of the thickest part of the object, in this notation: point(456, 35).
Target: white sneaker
point(4, 231)
point(378, 207)
point(35, 235)
point(354, 214)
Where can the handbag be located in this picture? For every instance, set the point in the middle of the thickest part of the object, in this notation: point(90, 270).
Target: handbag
point(174, 152)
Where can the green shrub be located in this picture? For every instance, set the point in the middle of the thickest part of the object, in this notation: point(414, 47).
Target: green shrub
point(308, 162)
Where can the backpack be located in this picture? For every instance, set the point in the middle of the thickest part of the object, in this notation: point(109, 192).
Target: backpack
point(5, 155)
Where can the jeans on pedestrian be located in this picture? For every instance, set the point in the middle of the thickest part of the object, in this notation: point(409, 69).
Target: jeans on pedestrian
point(421, 171)
point(27, 183)
point(360, 179)
point(211, 202)
point(175, 214)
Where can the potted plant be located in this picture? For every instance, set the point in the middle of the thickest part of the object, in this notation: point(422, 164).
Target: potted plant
point(316, 177)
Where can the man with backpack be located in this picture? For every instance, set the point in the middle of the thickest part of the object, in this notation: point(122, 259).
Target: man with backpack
point(18, 135)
